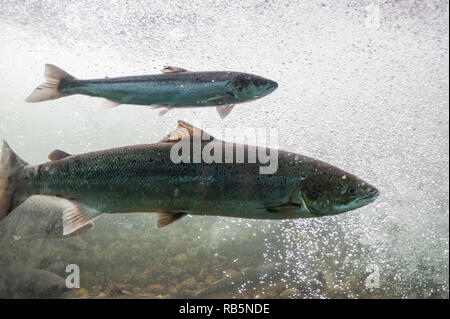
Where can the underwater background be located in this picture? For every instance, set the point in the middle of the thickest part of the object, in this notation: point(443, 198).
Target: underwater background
point(363, 85)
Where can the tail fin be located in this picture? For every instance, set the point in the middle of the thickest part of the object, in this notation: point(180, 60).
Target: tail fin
point(10, 167)
point(49, 90)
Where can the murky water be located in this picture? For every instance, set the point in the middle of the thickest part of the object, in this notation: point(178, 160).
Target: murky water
point(362, 86)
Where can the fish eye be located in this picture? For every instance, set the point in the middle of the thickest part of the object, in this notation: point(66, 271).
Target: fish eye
point(351, 190)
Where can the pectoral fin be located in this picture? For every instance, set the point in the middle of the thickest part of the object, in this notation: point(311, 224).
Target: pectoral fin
point(220, 97)
point(57, 155)
point(77, 215)
point(173, 69)
point(166, 218)
point(224, 110)
point(283, 208)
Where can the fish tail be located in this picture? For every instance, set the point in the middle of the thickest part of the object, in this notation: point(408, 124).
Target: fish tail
point(11, 166)
point(49, 90)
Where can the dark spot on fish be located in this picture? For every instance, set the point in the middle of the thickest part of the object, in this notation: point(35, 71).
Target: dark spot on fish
point(315, 191)
point(259, 82)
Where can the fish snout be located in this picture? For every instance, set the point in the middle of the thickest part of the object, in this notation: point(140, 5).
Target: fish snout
point(369, 195)
point(373, 194)
point(371, 191)
point(271, 85)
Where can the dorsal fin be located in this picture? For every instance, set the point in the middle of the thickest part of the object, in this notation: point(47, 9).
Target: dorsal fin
point(172, 69)
point(186, 130)
point(166, 218)
point(57, 155)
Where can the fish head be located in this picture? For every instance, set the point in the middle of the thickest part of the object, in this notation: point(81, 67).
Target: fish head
point(251, 87)
point(331, 191)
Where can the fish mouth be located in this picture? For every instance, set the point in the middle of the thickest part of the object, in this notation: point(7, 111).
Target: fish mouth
point(356, 203)
point(370, 197)
point(272, 86)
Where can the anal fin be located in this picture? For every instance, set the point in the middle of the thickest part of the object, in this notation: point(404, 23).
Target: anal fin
point(166, 218)
point(165, 108)
point(110, 104)
point(76, 215)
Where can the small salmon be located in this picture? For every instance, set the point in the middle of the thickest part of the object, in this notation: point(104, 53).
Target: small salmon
point(175, 88)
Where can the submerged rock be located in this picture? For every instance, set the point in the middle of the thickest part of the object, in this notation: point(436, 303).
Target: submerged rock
point(274, 290)
point(290, 294)
point(230, 272)
point(20, 282)
point(78, 293)
point(156, 289)
point(189, 284)
point(180, 258)
point(210, 279)
point(173, 290)
point(136, 290)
